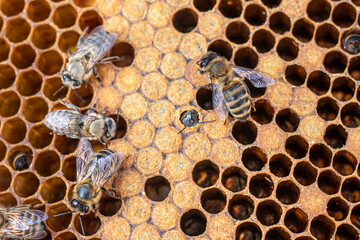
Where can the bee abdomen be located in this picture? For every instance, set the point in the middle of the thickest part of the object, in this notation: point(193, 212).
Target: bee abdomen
point(237, 100)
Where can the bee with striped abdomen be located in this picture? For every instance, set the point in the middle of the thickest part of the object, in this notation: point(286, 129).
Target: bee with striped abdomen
point(190, 118)
point(22, 222)
point(22, 160)
point(230, 93)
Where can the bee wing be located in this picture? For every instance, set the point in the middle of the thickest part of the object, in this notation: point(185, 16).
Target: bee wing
point(36, 233)
point(84, 152)
point(258, 79)
point(218, 101)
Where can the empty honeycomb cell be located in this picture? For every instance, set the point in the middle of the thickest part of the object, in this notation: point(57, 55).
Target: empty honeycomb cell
point(204, 5)
point(126, 53)
point(13, 7)
point(261, 186)
point(296, 220)
point(268, 212)
point(287, 120)
point(65, 145)
point(350, 115)
point(350, 189)
point(5, 179)
point(264, 112)
point(244, 132)
point(86, 93)
point(246, 57)
point(234, 179)
point(193, 222)
point(337, 208)
point(344, 162)
point(43, 36)
point(38, 10)
point(40, 136)
point(204, 98)
point(254, 158)
point(322, 228)
point(318, 10)
point(4, 49)
point(355, 216)
point(271, 3)
point(277, 233)
point(34, 203)
point(237, 32)
point(205, 173)
point(2, 150)
point(109, 206)
point(185, 20)
point(287, 49)
point(90, 19)
point(65, 16)
point(303, 30)
point(318, 82)
point(34, 109)
point(335, 62)
point(66, 236)
point(51, 85)
point(29, 82)
point(25, 184)
point(255, 15)
point(84, 3)
point(320, 155)
point(22, 56)
point(305, 173)
point(295, 74)
point(61, 222)
point(356, 2)
point(53, 190)
point(213, 200)
point(241, 207)
point(344, 15)
point(327, 108)
point(230, 9)
point(47, 163)
point(263, 41)
point(248, 230)
point(17, 30)
point(49, 62)
point(296, 146)
point(8, 200)
point(14, 151)
point(346, 232)
point(287, 192)
point(222, 48)
point(329, 182)
point(279, 23)
point(68, 40)
point(343, 88)
point(90, 222)
point(157, 188)
point(354, 67)
point(280, 165)
point(326, 36)
point(9, 103)
point(335, 136)
point(7, 76)
point(13, 130)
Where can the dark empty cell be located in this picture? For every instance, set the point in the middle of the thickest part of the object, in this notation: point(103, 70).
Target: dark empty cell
point(268, 212)
point(61, 222)
point(248, 231)
point(305, 173)
point(350, 115)
point(109, 206)
point(279, 23)
point(335, 62)
point(287, 49)
point(84, 3)
point(344, 162)
point(68, 168)
point(17, 30)
point(185, 20)
point(351, 42)
point(205, 173)
point(9, 103)
point(43, 36)
point(254, 159)
point(157, 188)
point(337, 209)
point(318, 10)
point(230, 8)
point(5, 179)
point(237, 32)
point(11, 8)
point(34, 109)
point(303, 30)
point(65, 16)
point(350, 189)
point(86, 92)
point(318, 82)
point(320, 155)
point(296, 146)
point(13, 130)
point(287, 192)
point(355, 216)
point(38, 10)
point(53, 190)
point(255, 15)
point(246, 57)
point(271, 3)
point(335, 136)
point(327, 108)
point(49, 62)
point(29, 82)
point(193, 222)
point(66, 236)
point(51, 86)
point(222, 48)
point(329, 182)
point(121, 126)
point(356, 2)
point(322, 228)
point(2, 150)
point(343, 88)
point(8, 200)
point(90, 222)
point(261, 186)
point(344, 15)
point(23, 56)
point(254, 91)
point(287, 120)
point(263, 113)
point(4, 49)
point(277, 233)
point(263, 41)
point(295, 74)
point(213, 200)
point(234, 179)
point(326, 36)
point(204, 5)
point(280, 165)
point(90, 19)
point(47, 163)
point(65, 145)
point(296, 220)
point(68, 40)
point(354, 67)
point(346, 232)
point(204, 98)
point(241, 207)
point(25, 184)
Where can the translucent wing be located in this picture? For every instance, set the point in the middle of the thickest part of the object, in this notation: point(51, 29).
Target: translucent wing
point(218, 101)
point(84, 152)
point(258, 79)
point(37, 233)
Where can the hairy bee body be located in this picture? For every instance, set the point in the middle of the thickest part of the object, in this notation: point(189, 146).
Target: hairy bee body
point(22, 161)
point(189, 118)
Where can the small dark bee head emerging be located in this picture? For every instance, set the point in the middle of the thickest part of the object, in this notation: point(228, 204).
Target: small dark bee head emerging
point(351, 43)
point(79, 207)
point(189, 118)
point(67, 80)
point(22, 161)
point(110, 128)
point(205, 60)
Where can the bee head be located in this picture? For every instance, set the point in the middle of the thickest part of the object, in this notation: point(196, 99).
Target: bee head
point(204, 61)
point(189, 118)
point(79, 207)
point(110, 128)
point(69, 81)
point(21, 163)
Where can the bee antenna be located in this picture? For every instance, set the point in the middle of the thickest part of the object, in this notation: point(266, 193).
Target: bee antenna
point(79, 95)
point(82, 227)
point(208, 121)
point(181, 130)
point(118, 116)
point(58, 90)
point(60, 214)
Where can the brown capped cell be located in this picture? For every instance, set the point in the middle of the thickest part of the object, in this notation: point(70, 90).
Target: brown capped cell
point(137, 209)
point(173, 65)
point(141, 34)
point(154, 85)
point(173, 235)
point(161, 113)
point(128, 80)
point(141, 133)
point(117, 24)
point(164, 215)
point(149, 161)
point(134, 106)
point(134, 10)
point(112, 231)
point(167, 39)
point(176, 166)
point(145, 231)
point(197, 146)
point(159, 14)
point(214, 128)
point(193, 45)
point(148, 59)
point(168, 139)
point(194, 76)
point(221, 227)
point(225, 152)
point(127, 183)
point(184, 194)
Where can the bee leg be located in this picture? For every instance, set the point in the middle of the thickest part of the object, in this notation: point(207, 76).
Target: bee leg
point(71, 106)
point(102, 141)
point(111, 59)
point(111, 193)
point(97, 76)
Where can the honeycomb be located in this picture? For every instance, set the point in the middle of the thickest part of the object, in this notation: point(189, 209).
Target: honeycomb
point(290, 171)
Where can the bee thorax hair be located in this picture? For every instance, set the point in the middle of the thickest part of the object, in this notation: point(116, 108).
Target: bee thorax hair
point(97, 127)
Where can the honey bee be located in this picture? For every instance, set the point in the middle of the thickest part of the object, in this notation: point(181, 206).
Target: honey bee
point(22, 222)
point(190, 118)
point(73, 124)
point(351, 43)
point(230, 93)
point(22, 160)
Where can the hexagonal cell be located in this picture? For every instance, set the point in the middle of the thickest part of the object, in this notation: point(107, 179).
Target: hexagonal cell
point(305, 173)
point(47, 163)
point(34, 203)
point(38, 10)
point(185, 20)
point(66, 236)
point(287, 49)
point(346, 232)
point(86, 92)
point(322, 227)
point(354, 67)
point(335, 136)
point(19, 150)
point(49, 62)
point(4, 49)
point(296, 220)
point(318, 10)
point(303, 30)
point(65, 16)
point(193, 222)
point(213, 200)
point(34, 109)
point(263, 41)
point(329, 182)
point(43, 36)
point(254, 158)
point(248, 229)
point(355, 216)
point(335, 62)
point(40, 136)
point(84, 3)
point(327, 108)
point(295, 74)
point(241, 207)
point(51, 86)
point(255, 15)
point(222, 48)
point(234, 179)
point(8, 200)
point(287, 192)
point(320, 155)
point(68, 40)
point(337, 209)
point(326, 36)
point(343, 88)
point(13, 130)
point(53, 190)
point(11, 8)
point(350, 115)
point(296, 146)
point(246, 57)
point(90, 222)
point(263, 113)
point(9, 103)
point(157, 188)
point(244, 132)
point(68, 168)
point(261, 186)
point(350, 189)
point(204, 98)
point(29, 82)
point(22, 56)
point(125, 51)
point(344, 162)
point(2, 150)
point(280, 165)
point(287, 120)
point(17, 30)
point(121, 126)
point(237, 32)
point(7, 76)
point(205, 173)
point(90, 19)
point(230, 8)
point(26, 184)
point(61, 222)
point(271, 3)
point(279, 23)
point(5, 179)
point(277, 233)
point(65, 145)
point(268, 212)
point(318, 82)
point(344, 15)
point(109, 206)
